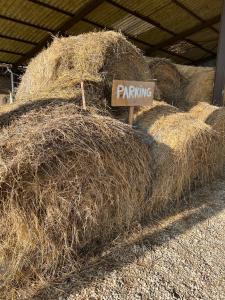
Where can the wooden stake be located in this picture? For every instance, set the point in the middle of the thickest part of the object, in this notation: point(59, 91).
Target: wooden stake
point(83, 95)
point(131, 115)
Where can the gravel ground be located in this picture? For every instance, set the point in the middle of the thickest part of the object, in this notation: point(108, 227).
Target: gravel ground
point(182, 256)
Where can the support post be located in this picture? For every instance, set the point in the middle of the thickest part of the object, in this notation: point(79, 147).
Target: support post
point(131, 115)
point(83, 95)
point(219, 82)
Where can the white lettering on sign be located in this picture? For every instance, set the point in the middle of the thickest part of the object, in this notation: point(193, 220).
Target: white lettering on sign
point(128, 92)
point(132, 93)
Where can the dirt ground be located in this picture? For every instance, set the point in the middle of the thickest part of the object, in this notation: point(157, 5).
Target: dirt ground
point(181, 256)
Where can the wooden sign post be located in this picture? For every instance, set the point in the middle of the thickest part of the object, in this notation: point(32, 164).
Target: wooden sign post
point(132, 93)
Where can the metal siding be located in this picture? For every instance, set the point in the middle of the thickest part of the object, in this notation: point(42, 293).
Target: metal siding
point(165, 12)
point(14, 46)
point(204, 8)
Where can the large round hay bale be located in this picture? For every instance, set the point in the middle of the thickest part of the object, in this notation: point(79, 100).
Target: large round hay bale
point(199, 88)
point(189, 71)
point(170, 81)
point(69, 181)
point(186, 152)
point(211, 115)
point(94, 58)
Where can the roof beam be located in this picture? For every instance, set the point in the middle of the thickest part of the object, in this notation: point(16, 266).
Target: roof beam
point(11, 52)
point(132, 38)
point(17, 39)
point(181, 5)
point(27, 24)
point(156, 24)
point(185, 33)
point(79, 15)
point(49, 6)
point(204, 59)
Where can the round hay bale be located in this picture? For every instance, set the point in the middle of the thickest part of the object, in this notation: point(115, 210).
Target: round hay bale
point(199, 88)
point(189, 71)
point(186, 152)
point(170, 82)
point(94, 58)
point(69, 182)
point(211, 115)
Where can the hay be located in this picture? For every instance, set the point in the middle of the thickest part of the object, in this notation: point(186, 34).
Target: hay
point(94, 58)
point(187, 152)
point(189, 71)
point(69, 181)
point(199, 88)
point(170, 82)
point(211, 115)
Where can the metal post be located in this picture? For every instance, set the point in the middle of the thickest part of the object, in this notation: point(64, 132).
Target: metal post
point(219, 82)
point(12, 85)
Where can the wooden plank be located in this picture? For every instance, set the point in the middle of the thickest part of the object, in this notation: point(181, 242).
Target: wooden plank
point(132, 93)
point(220, 66)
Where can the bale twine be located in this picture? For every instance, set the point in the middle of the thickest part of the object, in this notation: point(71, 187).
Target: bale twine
point(94, 58)
point(186, 152)
point(69, 182)
point(211, 115)
point(170, 81)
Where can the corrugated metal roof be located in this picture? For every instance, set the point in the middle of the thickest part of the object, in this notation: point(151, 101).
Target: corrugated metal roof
point(169, 28)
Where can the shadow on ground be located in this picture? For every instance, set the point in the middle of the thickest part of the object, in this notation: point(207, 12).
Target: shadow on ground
point(204, 204)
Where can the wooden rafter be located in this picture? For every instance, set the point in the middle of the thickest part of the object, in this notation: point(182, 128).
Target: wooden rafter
point(132, 38)
point(17, 39)
point(190, 12)
point(79, 15)
point(184, 34)
point(156, 24)
point(26, 24)
point(11, 52)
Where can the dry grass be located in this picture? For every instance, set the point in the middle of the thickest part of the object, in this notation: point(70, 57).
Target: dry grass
point(94, 58)
point(170, 81)
point(187, 152)
point(199, 88)
point(69, 182)
point(189, 71)
point(211, 115)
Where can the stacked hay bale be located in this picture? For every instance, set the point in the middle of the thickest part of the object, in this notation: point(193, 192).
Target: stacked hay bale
point(170, 82)
point(189, 71)
point(93, 58)
point(70, 181)
point(199, 88)
point(211, 115)
point(186, 152)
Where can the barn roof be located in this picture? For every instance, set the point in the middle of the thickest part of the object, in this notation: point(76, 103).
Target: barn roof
point(186, 31)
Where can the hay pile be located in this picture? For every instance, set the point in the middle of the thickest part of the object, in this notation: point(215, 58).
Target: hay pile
point(94, 58)
point(187, 152)
point(211, 115)
point(189, 71)
point(69, 181)
point(199, 88)
point(170, 81)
